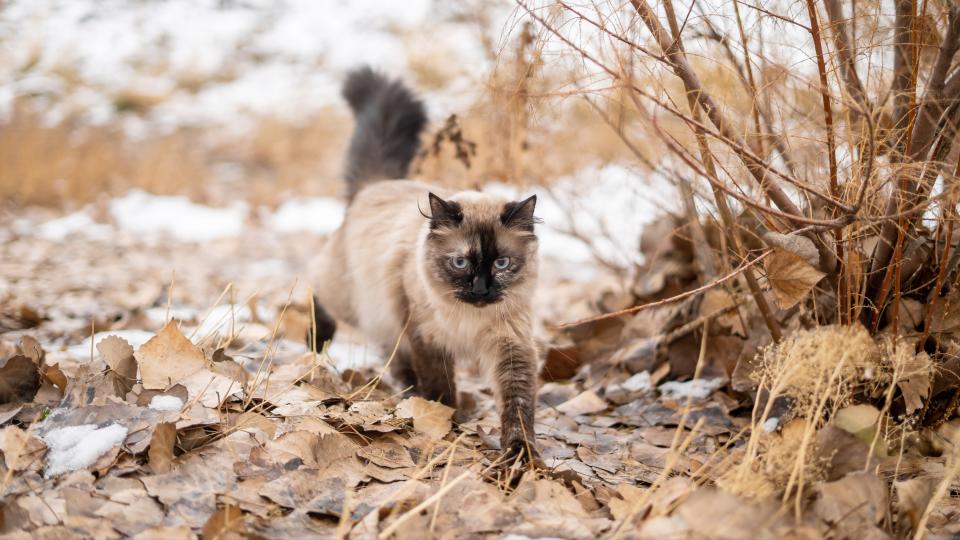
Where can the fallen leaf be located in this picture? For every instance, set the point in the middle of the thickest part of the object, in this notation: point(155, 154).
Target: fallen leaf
point(587, 402)
point(841, 452)
point(168, 358)
point(857, 499)
point(790, 277)
point(118, 355)
point(161, 447)
point(913, 496)
point(429, 417)
point(386, 454)
point(20, 450)
point(719, 300)
point(859, 420)
point(914, 382)
point(19, 380)
point(225, 524)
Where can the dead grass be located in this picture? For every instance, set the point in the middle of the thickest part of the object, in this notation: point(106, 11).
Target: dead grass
point(68, 166)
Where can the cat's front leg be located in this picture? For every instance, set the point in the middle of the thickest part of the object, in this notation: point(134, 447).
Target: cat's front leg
point(515, 383)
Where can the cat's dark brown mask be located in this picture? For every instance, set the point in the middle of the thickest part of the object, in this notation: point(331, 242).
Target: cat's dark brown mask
point(479, 246)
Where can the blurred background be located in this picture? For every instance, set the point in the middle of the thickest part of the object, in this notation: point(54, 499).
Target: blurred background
point(134, 132)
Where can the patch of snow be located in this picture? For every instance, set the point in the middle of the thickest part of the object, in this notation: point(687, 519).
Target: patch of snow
point(166, 403)
point(222, 318)
point(220, 62)
point(135, 338)
point(76, 223)
point(771, 424)
point(606, 206)
point(158, 316)
point(76, 447)
point(144, 213)
point(350, 350)
point(639, 382)
point(695, 389)
point(319, 215)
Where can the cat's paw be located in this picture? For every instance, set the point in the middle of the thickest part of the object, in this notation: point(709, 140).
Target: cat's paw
point(522, 451)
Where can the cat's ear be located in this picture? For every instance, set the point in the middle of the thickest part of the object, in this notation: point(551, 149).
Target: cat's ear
point(444, 213)
point(519, 214)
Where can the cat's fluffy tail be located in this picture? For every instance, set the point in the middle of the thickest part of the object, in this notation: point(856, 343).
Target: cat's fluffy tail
point(387, 135)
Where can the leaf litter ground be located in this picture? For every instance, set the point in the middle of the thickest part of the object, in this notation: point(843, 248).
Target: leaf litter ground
point(160, 389)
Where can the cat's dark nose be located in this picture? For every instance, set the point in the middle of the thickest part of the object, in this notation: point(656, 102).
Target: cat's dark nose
point(480, 286)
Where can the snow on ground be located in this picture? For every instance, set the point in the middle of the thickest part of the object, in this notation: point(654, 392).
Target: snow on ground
point(606, 205)
point(698, 389)
point(220, 62)
point(141, 212)
point(319, 215)
point(77, 447)
point(166, 403)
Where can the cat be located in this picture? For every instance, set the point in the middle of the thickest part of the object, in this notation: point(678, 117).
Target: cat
point(454, 284)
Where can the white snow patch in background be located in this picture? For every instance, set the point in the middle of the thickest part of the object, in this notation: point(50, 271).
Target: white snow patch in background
point(639, 382)
point(318, 215)
point(695, 389)
point(76, 223)
point(166, 403)
point(222, 318)
point(135, 338)
point(76, 447)
point(771, 424)
point(141, 212)
point(254, 57)
point(607, 206)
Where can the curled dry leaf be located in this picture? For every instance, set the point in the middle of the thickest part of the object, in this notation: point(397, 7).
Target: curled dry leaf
point(790, 277)
point(794, 243)
point(429, 417)
point(161, 447)
point(19, 380)
point(118, 355)
point(914, 381)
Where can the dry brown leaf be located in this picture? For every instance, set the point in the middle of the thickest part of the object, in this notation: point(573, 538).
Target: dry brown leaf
point(913, 496)
point(855, 500)
point(56, 377)
point(19, 380)
point(168, 358)
point(118, 355)
point(790, 277)
point(717, 300)
point(253, 420)
point(20, 450)
point(914, 382)
point(587, 402)
point(180, 532)
point(796, 244)
point(161, 447)
point(429, 417)
point(31, 348)
point(386, 454)
point(859, 420)
point(225, 524)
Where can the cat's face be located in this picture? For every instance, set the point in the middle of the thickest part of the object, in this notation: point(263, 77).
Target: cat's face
point(480, 247)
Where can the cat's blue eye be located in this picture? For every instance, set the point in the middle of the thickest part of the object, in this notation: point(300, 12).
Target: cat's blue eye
point(501, 263)
point(460, 263)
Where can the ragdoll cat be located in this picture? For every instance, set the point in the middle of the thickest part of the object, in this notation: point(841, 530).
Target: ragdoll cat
point(456, 283)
